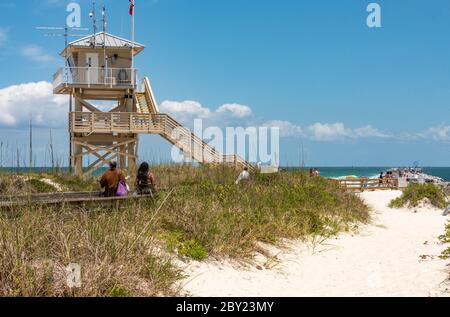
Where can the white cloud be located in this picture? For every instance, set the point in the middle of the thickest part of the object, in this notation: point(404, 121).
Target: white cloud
point(338, 131)
point(19, 101)
point(48, 110)
point(440, 133)
point(187, 111)
point(232, 114)
point(36, 54)
point(369, 132)
point(287, 129)
point(328, 132)
point(235, 110)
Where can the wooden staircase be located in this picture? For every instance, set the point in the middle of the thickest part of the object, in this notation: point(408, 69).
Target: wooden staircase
point(141, 103)
point(145, 101)
point(175, 133)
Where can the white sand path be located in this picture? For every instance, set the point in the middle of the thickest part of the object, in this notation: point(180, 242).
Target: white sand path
point(398, 255)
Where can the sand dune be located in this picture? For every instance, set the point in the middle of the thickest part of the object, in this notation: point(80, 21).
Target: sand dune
point(397, 255)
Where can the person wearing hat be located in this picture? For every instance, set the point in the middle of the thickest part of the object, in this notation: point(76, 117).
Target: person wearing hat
point(110, 180)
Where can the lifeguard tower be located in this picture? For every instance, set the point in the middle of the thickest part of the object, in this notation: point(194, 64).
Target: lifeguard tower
point(99, 67)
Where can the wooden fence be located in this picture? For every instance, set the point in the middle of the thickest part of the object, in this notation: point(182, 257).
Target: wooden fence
point(363, 184)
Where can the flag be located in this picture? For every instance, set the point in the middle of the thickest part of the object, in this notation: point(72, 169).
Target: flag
point(131, 7)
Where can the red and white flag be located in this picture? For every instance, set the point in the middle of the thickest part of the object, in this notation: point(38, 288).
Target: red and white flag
point(131, 7)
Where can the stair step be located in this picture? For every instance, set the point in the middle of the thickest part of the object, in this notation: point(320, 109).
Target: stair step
point(143, 106)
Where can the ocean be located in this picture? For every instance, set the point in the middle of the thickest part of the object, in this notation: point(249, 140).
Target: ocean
point(329, 172)
point(374, 172)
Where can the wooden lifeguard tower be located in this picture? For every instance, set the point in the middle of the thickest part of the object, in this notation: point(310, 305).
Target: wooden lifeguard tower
point(99, 67)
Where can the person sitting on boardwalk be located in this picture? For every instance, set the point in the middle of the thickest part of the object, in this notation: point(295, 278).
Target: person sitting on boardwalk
point(244, 176)
point(145, 180)
point(110, 180)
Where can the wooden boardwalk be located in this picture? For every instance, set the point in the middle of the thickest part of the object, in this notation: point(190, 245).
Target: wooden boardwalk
point(353, 184)
point(62, 198)
point(368, 184)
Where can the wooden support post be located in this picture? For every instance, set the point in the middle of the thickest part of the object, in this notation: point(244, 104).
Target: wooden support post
point(123, 159)
point(77, 162)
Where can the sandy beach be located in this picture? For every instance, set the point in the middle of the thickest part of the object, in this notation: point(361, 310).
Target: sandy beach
point(396, 255)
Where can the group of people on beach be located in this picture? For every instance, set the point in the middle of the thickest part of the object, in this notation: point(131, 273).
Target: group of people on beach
point(386, 179)
point(115, 184)
point(314, 172)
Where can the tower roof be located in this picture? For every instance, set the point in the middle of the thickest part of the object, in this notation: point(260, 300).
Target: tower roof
point(102, 39)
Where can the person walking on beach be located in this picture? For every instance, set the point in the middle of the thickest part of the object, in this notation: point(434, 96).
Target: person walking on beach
point(244, 176)
point(110, 180)
point(145, 180)
point(380, 182)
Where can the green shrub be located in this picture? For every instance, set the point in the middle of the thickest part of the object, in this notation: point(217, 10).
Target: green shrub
point(446, 239)
point(414, 193)
point(176, 242)
point(226, 219)
point(194, 250)
point(40, 186)
point(118, 291)
point(76, 183)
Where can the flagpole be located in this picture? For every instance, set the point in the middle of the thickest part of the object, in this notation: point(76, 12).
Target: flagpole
point(132, 38)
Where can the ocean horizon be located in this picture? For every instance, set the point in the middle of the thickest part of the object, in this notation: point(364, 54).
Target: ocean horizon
point(374, 171)
point(325, 171)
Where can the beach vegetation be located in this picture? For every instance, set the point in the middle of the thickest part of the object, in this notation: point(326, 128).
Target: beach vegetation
point(199, 213)
point(445, 238)
point(415, 193)
point(38, 186)
point(75, 183)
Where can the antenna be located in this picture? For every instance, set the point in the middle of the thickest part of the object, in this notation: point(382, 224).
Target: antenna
point(104, 18)
point(66, 35)
point(104, 37)
point(94, 21)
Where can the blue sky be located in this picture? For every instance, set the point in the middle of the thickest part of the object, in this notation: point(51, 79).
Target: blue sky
point(353, 95)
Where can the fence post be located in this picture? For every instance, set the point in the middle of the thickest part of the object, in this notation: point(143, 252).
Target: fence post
point(92, 122)
point(131, 122)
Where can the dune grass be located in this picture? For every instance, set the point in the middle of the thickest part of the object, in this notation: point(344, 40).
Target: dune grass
point(129, 251)
point(38, 186)
point(445, 238)
point(414, 193)
point(37, 243)
point(75, 183)
point(226, 219)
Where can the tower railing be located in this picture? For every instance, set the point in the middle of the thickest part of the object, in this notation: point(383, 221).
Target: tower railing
point(162, 124)
point(95, 76)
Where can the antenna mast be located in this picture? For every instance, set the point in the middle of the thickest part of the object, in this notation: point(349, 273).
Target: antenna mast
point(104, 38)
point(66, 35)
point(94, 21)
point(132, 32)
